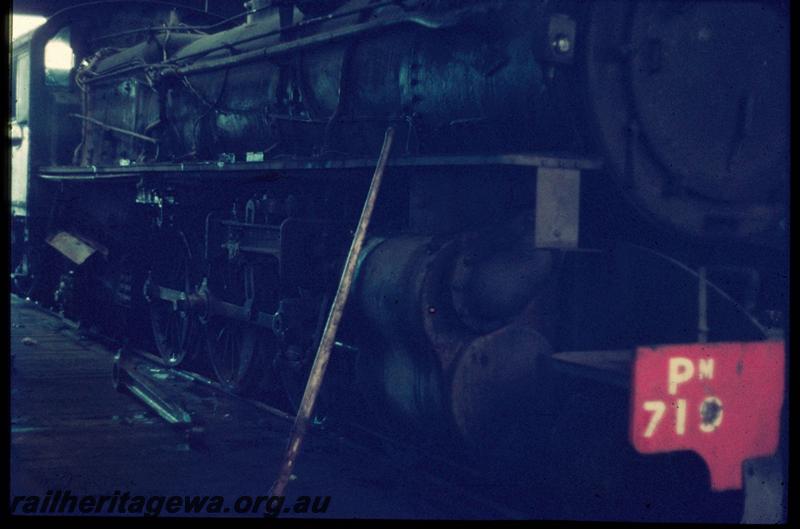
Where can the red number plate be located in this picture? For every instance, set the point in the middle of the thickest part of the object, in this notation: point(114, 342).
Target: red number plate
point(722, 400)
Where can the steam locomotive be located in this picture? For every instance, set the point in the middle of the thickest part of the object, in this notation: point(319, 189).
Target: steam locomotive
point(567, 179)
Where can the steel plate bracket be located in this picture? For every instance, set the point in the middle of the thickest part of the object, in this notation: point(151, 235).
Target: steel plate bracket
point(557, 207)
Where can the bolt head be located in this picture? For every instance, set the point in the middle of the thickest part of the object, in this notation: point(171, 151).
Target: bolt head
point(562, 44)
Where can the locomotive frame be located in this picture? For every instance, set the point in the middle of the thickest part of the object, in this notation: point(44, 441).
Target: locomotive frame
point(494, 258)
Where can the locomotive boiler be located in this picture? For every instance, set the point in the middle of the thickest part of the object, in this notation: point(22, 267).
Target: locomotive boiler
point(566, 177)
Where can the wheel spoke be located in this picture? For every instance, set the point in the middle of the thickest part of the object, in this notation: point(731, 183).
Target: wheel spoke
point(232, 353)
point(233, 347)
point(172, 330)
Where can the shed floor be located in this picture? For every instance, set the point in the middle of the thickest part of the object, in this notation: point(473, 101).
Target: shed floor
point(71, 431)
